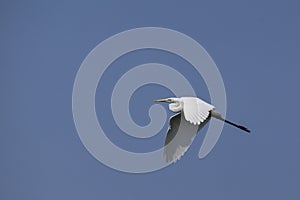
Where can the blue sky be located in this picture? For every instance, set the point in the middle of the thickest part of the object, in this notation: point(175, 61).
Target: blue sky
point(255, 45)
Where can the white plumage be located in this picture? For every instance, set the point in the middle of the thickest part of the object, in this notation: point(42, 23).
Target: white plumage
point(192, 114)
point(195, 110)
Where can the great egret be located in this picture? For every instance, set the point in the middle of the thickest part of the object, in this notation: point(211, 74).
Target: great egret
point(184, 127)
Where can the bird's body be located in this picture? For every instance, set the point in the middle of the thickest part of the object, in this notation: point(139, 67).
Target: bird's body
point(191, 115)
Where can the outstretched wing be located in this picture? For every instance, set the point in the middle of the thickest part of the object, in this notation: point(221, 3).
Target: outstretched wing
point(195, 110)
point(180, 136)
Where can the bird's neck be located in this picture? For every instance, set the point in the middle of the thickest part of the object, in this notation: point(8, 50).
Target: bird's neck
point(175, 107)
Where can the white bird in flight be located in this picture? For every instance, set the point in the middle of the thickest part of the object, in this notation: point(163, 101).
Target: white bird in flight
point(184, 127)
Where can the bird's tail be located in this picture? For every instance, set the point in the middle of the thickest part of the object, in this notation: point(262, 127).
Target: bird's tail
point(219, 116)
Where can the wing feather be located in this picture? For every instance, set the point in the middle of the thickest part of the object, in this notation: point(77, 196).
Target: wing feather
point(180, 136)
point(195, 110)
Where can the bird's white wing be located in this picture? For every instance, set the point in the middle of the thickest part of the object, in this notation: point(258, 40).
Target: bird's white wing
point(195, 110)
point(180, 136)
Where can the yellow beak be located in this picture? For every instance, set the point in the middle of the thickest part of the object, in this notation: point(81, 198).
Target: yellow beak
point(161, 100)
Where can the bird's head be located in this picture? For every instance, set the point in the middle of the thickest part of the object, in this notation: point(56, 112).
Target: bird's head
point(168, 100)
point(175, 103)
